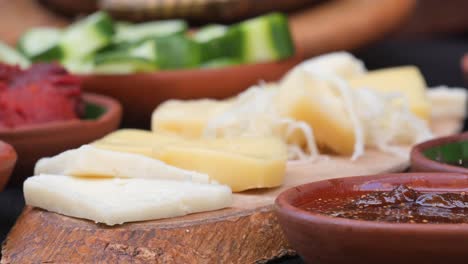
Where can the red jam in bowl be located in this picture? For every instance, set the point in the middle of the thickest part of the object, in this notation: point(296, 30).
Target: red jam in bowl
point(43, 93)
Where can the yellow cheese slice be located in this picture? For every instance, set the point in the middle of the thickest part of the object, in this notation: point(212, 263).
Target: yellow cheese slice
point(317, 103)
point(406, 80)
point(241, 163)
point(186, 118)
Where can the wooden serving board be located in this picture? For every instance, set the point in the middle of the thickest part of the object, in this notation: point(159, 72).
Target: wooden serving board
point(246, 233)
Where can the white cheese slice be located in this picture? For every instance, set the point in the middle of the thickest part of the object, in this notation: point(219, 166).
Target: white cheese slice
point(89, 161)
point(116, 201)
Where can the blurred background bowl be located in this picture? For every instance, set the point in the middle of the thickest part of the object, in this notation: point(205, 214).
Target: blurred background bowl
point(7, 163)
point(33, 142)
point(201, 11)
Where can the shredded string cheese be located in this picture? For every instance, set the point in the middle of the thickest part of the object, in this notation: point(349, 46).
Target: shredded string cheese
point(254, 113)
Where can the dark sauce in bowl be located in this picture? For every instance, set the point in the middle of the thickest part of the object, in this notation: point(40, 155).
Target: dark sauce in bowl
point(400, 205)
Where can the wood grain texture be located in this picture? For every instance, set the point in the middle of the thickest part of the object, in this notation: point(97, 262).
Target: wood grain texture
point(246, 233)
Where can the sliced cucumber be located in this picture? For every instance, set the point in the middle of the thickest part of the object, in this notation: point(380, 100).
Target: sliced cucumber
point(146, 50)
point(80, 66)
point(124, 65)
point(265, 38)
point(220, 63)
point(86, 36)
point(218, 41)
point(139, 57)
point(177, 52)
point(144, 31)
point(41, 44)
point(210, 32)
point(9, 55)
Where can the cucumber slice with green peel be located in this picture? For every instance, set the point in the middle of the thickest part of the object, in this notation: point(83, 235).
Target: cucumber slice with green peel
point(9, 55)
point(282, 38)
point(87, 36)
point(218, 41)
point(135, 58)
point(220, 63)
point(79, 66)
point(145, 50)
point(265, 38)
point(123, 65)
point(121, 24)
point(210, 32)
point(177, 52)
point(41, 44)
point(144, 31)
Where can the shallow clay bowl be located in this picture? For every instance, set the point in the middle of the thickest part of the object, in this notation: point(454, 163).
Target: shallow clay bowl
point(437, 154)
point(140, 93)
point(103, 115)
point(7, 163)
point(325, 239)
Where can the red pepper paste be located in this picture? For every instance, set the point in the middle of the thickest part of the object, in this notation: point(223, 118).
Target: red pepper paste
point(45, 92)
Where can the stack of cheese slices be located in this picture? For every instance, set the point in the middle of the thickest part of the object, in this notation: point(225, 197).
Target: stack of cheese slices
point(113, 187)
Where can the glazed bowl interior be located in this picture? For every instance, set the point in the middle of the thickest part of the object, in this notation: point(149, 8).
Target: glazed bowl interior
point(320, 238)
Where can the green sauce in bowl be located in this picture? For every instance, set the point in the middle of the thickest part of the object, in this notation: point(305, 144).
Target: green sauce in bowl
point(453, 153)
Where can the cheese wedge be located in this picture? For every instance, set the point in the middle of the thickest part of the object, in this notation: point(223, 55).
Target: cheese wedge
point(406, 80)
point(241, 163)
point(341, 63)
point(186, 118)
point(448, 102)
point(116, 201)
point(321, 106)
point(89, 161)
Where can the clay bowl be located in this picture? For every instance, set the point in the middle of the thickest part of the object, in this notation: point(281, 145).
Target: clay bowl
point(7, 163)
point(325, 239)
point(103, 115)
point(140, 93)
point(437, 154)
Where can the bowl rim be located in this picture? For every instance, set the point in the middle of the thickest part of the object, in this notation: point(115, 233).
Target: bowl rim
point(8, 159)
point(7, 152)
point(112, 106)
point(283, 206)
point(418, 159)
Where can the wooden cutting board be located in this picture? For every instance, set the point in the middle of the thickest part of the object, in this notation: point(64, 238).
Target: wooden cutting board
point(246, 233)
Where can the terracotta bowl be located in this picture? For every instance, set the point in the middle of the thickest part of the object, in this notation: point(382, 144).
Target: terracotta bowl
point(7, 163)
point(325, 239)
point(35, 142)
point(141, 93)
point(436, 155)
